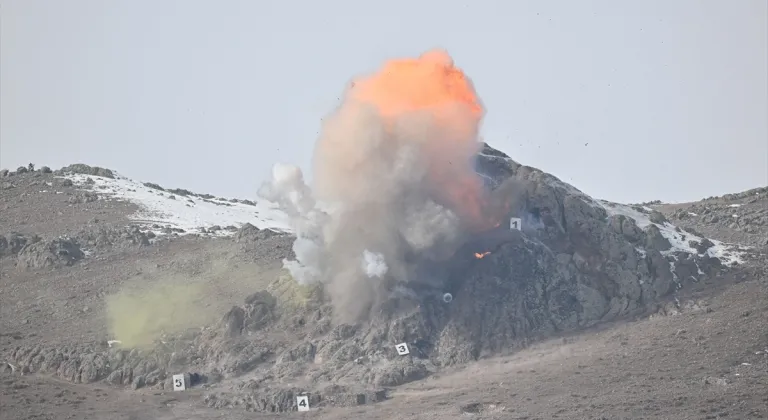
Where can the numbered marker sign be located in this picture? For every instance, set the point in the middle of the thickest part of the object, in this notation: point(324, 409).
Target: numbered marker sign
point(302, 401)
point(178, 382)
point(402, 349)
point(515, 223)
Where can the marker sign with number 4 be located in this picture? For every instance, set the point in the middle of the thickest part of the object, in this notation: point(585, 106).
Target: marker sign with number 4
point(178, 382)
point(515, 223)
point(402, 349)
point(302, 401)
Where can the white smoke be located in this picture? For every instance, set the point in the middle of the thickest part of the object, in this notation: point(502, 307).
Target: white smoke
point(288, 189)
point(374, 264)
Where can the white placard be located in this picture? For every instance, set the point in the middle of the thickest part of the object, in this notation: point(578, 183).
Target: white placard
point(402, 349)
point(515, 223)
point(302, 401)
point(178, 382)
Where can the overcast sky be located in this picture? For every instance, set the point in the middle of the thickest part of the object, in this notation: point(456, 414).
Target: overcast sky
point(627, 100)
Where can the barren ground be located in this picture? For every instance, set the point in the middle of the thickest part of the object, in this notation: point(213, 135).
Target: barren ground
point(709, 361)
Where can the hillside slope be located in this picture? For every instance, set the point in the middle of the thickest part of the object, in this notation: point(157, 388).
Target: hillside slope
point(83, 240)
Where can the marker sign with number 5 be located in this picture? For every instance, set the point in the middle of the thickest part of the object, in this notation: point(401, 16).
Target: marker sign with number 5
point(178, 382)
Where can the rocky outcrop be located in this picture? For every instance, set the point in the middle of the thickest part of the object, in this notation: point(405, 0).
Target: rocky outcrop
point(83, 169)
point(55, 253)
point(101, 237)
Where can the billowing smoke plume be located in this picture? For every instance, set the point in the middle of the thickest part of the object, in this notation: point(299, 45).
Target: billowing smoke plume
point(393, 183)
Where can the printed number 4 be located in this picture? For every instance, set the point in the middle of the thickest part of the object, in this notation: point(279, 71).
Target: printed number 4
point(303, 403)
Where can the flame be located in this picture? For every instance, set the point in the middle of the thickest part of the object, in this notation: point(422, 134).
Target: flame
point(481, 255)
point(432, 88)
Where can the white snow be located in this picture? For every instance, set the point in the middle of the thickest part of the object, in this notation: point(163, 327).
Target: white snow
point(194, 213)
point(727, 253)
point(190, 213)
point(734, 205)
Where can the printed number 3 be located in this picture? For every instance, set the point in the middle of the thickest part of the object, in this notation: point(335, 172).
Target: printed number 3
point(401, 348)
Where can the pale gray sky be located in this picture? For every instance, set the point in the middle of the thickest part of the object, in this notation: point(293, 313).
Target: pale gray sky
point(670, 95)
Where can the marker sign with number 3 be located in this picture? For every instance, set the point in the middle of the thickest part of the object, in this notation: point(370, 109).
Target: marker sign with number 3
point(402, 349)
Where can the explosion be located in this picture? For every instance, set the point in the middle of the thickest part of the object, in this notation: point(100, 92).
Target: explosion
point(393, 183)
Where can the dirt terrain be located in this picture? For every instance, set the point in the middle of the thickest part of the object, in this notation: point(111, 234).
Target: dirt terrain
point(701, 353)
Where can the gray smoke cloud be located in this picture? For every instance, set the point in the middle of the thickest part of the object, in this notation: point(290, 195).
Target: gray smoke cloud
point(376, 206)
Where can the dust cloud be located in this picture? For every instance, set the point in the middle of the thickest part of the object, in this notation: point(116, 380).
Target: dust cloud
point(187, 294)
point(393, 183)
point(138, 318)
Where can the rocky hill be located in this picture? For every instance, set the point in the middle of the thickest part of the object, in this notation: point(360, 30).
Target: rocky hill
point(77, 239)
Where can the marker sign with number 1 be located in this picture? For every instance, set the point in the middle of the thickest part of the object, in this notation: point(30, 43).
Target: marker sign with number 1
point(515, 223)
point(178, 382)
point(302, 401)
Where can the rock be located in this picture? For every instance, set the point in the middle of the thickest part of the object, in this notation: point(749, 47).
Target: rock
point(686, 269)
point(3, 173)
point(21, 170)
point(116, 377)
point(399, 373)
point(83, 169)
point(138, 382)
point(655, 240)
point(63, 182)
point(704, 245)
point(56, 253)
point(657, 217)
point(250, 233)
point(46, 170)
point(17, 241)
point(4, 247)
point(626, 226)
point(82, 197)
point(124, 237)
point(233, 321)
point(153, 186)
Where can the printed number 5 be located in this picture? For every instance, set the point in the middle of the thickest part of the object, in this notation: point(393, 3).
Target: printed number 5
point(178, 383)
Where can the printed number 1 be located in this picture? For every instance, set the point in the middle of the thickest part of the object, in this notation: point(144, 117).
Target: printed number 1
point(514, 224)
